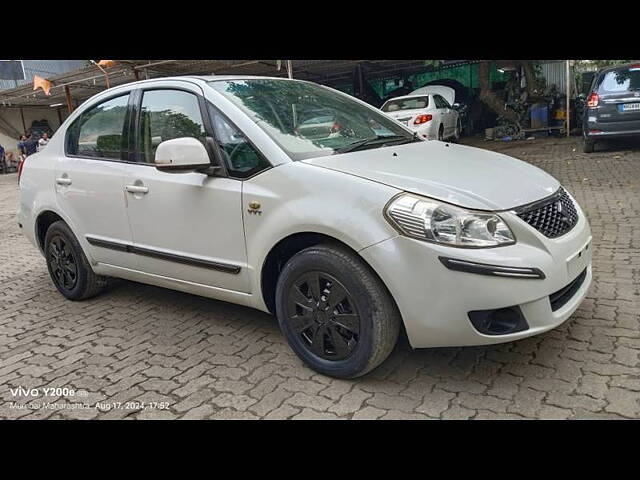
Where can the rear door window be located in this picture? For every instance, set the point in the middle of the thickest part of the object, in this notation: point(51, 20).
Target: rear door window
point(438, 100)
point(100, 132)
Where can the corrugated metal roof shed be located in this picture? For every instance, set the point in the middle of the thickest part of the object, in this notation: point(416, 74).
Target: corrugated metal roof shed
point(86, 82)
point(44, 68)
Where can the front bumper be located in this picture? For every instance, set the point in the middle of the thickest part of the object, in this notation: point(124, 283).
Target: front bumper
point(435, 301)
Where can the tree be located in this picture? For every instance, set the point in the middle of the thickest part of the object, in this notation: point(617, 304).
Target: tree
point(489, 98)
point(496, 104)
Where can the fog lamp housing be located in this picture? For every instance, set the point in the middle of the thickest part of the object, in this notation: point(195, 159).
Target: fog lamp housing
point(501, 321)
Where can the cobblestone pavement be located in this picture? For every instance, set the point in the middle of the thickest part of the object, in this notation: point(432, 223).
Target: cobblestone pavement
point(209, 359)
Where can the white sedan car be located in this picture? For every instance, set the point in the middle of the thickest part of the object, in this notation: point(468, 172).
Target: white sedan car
point(299, 200)
point(429, 115)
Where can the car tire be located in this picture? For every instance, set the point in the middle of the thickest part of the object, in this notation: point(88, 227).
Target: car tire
point(336, 314)
point(588, 146)
point(441, 133)
point(68, 266)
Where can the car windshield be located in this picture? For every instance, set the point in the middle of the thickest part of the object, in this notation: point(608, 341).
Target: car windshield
point(406, 104)
point(623, 80)
point(307, 120)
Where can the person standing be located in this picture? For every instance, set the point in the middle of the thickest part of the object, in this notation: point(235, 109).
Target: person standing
point(30, 145)
point(44, 140)
point(21, 150)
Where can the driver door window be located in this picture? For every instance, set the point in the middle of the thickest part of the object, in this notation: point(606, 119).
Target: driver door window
point(165, 115)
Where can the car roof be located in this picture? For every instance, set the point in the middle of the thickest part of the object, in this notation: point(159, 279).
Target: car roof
point(197, 78)
point(209, 78)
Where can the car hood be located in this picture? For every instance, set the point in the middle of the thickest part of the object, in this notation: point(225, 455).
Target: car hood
point(461, 175)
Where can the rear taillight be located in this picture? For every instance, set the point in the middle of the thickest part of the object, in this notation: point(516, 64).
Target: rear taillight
point(20, 167)
point(593, 100)
point(420, 119)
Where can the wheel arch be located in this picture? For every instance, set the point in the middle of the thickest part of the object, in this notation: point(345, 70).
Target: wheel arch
point(43, 221)
point(285, 249)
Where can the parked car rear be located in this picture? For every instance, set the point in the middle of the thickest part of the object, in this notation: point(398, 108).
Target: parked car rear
point(613, 106)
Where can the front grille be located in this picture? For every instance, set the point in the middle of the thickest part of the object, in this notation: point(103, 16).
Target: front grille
point(553, 217)
point(562, 296)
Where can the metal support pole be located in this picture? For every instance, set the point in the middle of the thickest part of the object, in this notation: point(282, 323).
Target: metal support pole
point(568, 109)
point(24, 125)
point(106, 75)
point(289, 69)
point(67, 92)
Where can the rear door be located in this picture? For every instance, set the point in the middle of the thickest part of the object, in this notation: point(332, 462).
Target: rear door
point(450, 116)
point(619, 92)
point(442, 114)
point(89, 180)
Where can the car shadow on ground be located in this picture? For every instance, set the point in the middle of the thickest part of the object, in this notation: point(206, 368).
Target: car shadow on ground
point(617, 145)
point(180, 314)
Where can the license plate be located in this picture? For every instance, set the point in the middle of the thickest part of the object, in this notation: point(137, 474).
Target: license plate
point(630, 106)
point(579, 260)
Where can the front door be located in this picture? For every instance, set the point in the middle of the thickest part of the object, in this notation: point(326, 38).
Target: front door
point(89, 181)
point(186, 226)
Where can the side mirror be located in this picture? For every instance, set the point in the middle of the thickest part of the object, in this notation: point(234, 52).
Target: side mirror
point(181, 155)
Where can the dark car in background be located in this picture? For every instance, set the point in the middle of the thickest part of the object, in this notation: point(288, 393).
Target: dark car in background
point(613, 106)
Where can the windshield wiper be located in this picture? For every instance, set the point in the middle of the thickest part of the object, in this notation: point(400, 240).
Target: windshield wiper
point(377, 140)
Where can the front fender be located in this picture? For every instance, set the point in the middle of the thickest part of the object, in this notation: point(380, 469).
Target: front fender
point(298, 198)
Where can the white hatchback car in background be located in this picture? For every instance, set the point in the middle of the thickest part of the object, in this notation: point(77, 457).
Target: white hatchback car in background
point(297, 199)
point(429, 115)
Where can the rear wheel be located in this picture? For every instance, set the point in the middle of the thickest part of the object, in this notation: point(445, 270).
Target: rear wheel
point(588, 146)
point(441, 133)
point(68, 266)
point(335, 312)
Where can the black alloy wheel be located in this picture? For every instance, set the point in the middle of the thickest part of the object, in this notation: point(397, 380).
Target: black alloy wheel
point(335, 312)
point(324, 315)
point(62, 263)
point(68, 266)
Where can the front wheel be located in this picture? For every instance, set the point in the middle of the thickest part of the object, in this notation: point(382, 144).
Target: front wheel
point(335, 312)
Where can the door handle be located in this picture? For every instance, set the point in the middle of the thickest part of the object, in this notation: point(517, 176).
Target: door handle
point(137, 189)
point(63, 181)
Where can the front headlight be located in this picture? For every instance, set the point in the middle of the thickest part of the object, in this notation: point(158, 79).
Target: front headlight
point(426, 219)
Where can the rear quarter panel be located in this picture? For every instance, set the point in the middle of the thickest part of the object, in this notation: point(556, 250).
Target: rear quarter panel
point(37, 193)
